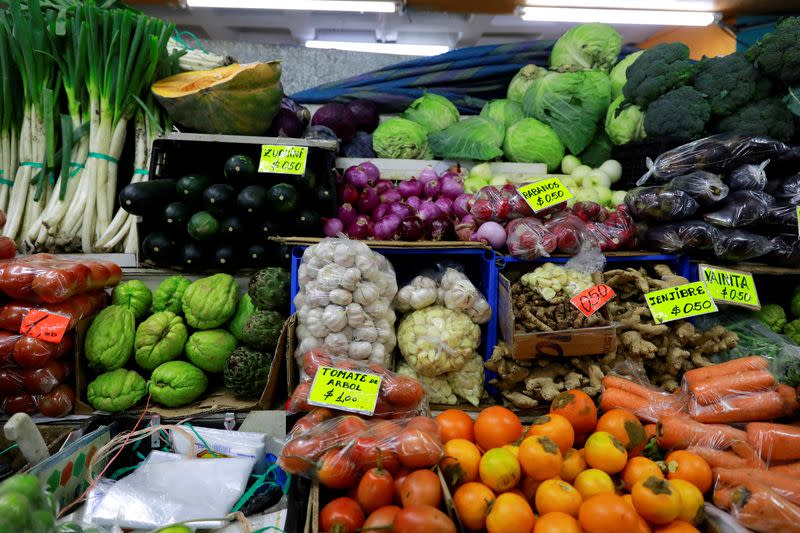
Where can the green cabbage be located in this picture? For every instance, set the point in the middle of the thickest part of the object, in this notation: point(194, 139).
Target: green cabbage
point(598, 151)
point(531, 141)
point(587, 46)
point(432, 112)
point(624, 124)
point(399, 138)
point(522, 80)
point(572, 103)
point(474, 138)
point(619, 74)
point(504, 113)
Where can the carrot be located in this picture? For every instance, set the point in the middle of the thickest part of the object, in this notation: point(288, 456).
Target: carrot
point(649, 432)
point(762, 509)
point(783, 484)
point(790, 404)
point(774, 442)
point(746, 451)
point(645, 409)
point(744, 364)
point(627, 385)
point(710, 391)
point(680, 432)
point(723, 497)
point(789, 469)
point(765, 405)
point(719, 458)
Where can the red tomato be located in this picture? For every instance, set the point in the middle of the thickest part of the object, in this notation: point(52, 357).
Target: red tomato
point(423, 519)
point(381, 519)
point(384, 431)
point(342, 515)
point(11, 316)
point(424, 423)
point(299, 399)
point(418, 449)
point(114, 274)
point(8, 248)
point(11, 382)
point(43, 380)
point(336, 469)
point(315, 358)
point(311, 420)
point(57, 402)
point(421, 487)
point(54, 285)
point(33, 353)
point(80, 273)
point(349, 427)
point(7, 342)
point(98, 274)
point(375, 489)
point(16, 280)
point(365, 453)
point(299, 455)
point(402, 391)
point(21, 403)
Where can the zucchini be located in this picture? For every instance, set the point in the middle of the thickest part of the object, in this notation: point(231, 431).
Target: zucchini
point(305, 182)
point(252, 200)
point(176, 216)
point(231, 227)
point(282, 198)
point(159, 248)
point(147, 198)
point(256, 255)
point(227, 258)
point(240, 169)
point(307, 223)
point(193, 256)
point(219, 198)
point(202, 226)
point(190, 187)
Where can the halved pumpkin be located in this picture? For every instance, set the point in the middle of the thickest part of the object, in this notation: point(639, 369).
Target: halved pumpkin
point(233, 100)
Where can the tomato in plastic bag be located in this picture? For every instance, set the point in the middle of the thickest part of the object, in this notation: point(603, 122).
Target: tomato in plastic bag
point(11, 381)
point(7, 342)
point(58, 402)
point(43, 380)
point(30, 352)
point(21, 403)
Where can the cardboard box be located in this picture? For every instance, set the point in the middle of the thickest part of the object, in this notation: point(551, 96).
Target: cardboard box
point(563, 343)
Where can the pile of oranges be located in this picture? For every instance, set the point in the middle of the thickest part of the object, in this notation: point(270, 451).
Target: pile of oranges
point(569, 472)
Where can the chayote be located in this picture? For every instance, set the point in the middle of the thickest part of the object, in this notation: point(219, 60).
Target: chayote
point(109, 341)
point(244, 309)
point(134, 295)
point(210, 302)
point(117, 390)
point(169, 294)
point(209, 350)
point(177, 383)
point(159, 339)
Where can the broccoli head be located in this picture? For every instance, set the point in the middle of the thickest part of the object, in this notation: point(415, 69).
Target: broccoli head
point(729, 82)
point(777, 53)
point(682, 112)
point(657, 71)
point(767, 117)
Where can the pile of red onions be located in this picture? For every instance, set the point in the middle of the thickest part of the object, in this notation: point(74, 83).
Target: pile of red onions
point(428, 207)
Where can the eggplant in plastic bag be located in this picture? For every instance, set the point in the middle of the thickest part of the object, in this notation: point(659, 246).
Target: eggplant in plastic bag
point(749, 177)
point(717, 154)
point(741, 208)
point(785, 250)
point(660, 203)
point(740, 245)
point(785, 214)
point(685, 236)
point(703, 186)
point(788, 188)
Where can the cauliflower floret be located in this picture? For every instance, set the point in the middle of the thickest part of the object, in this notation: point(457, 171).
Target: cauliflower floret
point(437, 389)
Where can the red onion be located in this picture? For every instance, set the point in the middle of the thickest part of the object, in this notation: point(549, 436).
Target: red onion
point(386, 228)
point(381, 186)
point(428, 211)
point(338, 177)
point(431, 188)
point(491, 233)
point(332, 227)
point(445, 204)
point(410, 187)
point(347, 214)
point(427, 175)
point(381, 211)
point(367, 200)
point(466, 228)
point(360, 229)
point(372, 172)
point(401, 209)
point(348, 193)
point(451, 188)
point(461, 205)
point(441, 228)
point(411, 229)
point(414, 202)
point(452, 174)
point(357, 176)
point(390, 196)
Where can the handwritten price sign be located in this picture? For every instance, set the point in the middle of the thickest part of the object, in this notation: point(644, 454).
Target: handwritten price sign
point(683, 301)
point(592, 299)
point(545, 193)
point(730, 286)
point(45, 326)
point(278, 159)
point(346, 390)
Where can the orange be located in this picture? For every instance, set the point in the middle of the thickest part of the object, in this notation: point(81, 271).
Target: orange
point(607, 513)
point(656, 500)
point(495, 427)
point(556, 427)
point(556, 522)
point(510, 514)
point(690, 467)
point(624, 426)
point(577, 407)
point(499, 469)
point(640, 468)
point(540, 457)
point(628, 499)
point(574, 464)
point(692, 505)
point(592, 482)
point(605, 452)
point(678, 526)
point(455, 424)
point(472, 502)
point(460, 462)
point(558, 496)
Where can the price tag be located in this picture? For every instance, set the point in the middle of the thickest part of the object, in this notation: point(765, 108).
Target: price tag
point(278, 159)
point(730, 286)
point(545, 193)
point(346, 390)
point(589, 301)
point(43, 325)
point(683, 301)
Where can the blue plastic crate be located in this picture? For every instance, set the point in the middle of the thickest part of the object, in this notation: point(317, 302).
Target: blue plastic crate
point(479, 264)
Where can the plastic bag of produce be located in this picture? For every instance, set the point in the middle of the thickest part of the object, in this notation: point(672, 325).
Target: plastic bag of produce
point(784, 214)
point(58, 402)
point(748, 177)
point(740, 245)
point(704, 187)
point(685, 236)
point(457, 293)
point(788, 189)
point(617, 232)
point(785, 251)
point(628, 388)
point(528, 238)
point(499, 204)
point(660, 203)
point(741, 208)
point(76, 308)
point(755, 501)
point(419, 293)
point(570, 232)
point(717, 154)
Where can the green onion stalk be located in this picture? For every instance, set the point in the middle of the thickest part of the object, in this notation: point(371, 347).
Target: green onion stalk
point(10, 117)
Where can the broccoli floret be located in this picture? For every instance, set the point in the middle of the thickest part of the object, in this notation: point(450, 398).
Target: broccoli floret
point(728, 82)
point(777, 53)
point(682, 112)
point(657, 71)
point(767, 117)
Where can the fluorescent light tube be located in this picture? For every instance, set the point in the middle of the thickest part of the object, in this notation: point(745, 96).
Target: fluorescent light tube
point(382, 48)
point(618, 16)
point(658, 5)
point(357, 6)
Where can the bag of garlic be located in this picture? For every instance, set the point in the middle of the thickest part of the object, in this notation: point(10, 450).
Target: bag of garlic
point(345, 302)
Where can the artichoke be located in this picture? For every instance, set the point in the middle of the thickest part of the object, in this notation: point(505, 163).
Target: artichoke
point(244, 309)
point(116, 391)
point(109, 341)
point(134, 295)
point(159, 339)
point(262, 329)
point(177, 383)
point(246, 372)
point(169, 294)
point(270, 288)
point(209, 350)
point(210, 302)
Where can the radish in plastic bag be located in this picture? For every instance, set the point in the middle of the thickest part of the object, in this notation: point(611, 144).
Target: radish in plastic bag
point(528, 238)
